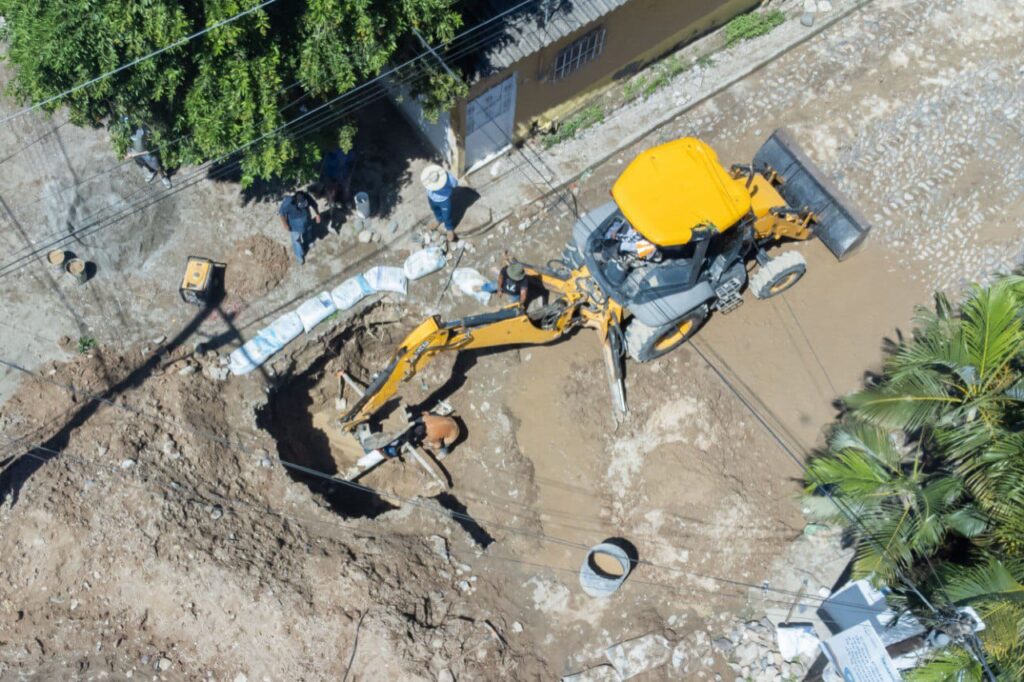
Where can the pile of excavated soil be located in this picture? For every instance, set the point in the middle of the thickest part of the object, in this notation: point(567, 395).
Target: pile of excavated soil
point(255, 265)
point(164, 538)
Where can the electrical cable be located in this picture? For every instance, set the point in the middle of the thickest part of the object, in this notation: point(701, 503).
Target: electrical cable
point(463, 50)
point(846, 511)
point(309, 127)
point(178, 43)
point(243, 446)
point(454, 516)
point(36, 141)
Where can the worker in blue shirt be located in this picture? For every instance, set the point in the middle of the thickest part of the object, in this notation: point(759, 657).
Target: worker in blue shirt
point(440, 185)
point(298, 211)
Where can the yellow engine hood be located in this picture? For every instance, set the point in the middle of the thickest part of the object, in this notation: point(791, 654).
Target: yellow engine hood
point(669, 190)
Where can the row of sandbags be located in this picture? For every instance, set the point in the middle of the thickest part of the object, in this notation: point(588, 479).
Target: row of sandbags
point(378, 279)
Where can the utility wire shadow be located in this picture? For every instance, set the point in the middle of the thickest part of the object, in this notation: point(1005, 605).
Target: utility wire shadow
point(18, 472)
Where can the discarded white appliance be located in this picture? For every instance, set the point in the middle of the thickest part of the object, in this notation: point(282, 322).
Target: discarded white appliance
point(858, 654)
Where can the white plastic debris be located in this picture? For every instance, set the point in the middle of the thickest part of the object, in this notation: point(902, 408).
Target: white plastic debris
point(423, 262)
point(796, 640)
point(315, 310)
point(350, 292)
point(386, 278)
point(469, 282)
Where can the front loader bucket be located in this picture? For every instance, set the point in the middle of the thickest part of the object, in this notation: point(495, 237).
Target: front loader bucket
point(838, 225)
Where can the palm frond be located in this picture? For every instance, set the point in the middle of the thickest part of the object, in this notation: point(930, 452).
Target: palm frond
point(879, 444)
point(851, 474)
point(991, 329)
point(991, 579)
point(915, 401)
point(951, 664)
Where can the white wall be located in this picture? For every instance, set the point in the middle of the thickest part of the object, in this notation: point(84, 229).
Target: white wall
point(439, 136)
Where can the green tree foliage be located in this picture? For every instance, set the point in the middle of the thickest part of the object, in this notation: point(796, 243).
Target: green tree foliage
point(931, 457)
point(907, 506)
point(208, 96)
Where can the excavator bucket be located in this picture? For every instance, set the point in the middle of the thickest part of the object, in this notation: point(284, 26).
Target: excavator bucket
point(837, 223)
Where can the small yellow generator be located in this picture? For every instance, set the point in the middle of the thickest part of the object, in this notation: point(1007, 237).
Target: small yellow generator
point(202, 281)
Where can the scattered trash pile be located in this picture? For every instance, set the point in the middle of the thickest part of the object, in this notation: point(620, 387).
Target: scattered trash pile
point(757, 650)
point(379, 279)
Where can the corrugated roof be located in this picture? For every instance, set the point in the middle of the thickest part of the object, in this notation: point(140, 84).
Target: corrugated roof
point(534, 26)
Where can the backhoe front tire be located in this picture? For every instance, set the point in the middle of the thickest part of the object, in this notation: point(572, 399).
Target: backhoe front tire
point(778, 274)
point(645, 343)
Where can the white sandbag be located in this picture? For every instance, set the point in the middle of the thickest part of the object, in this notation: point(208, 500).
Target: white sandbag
point(284, 329)
point(252, 354)
point(386, 278)
point(423, 262)
point(469, 282)
point(313, 311)
point(350, 292)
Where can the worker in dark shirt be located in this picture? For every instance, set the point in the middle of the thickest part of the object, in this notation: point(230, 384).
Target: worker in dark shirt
point(522, 288)
point(298, 212)
point(513, 282)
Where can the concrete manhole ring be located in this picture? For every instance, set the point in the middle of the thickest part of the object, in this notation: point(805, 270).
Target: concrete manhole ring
point(604, 569)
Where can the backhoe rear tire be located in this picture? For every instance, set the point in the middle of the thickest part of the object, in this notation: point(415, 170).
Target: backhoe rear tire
point(778, 274)
point(645, 343)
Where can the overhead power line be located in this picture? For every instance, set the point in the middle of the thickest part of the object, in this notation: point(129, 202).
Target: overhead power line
point(316, 120)
point(134, 62)
point(176, 488)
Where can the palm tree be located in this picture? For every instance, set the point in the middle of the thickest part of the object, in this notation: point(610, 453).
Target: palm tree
point(958, 372)
point(953, 396)
point(906, 508)
point(995, 589)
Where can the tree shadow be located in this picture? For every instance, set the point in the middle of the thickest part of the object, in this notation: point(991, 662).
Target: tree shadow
point(385, 147)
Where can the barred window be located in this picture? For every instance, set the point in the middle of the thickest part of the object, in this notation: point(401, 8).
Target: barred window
point(571, 58)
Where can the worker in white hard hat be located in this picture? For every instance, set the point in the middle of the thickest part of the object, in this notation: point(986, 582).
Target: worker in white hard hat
point(440, 184)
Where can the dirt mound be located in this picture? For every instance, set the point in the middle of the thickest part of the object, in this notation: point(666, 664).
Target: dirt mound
point(256, 265)
point(160, 535)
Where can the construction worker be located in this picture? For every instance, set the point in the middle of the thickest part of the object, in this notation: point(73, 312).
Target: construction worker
point(297, 212)
point(336, 171)
point(514, 283)
point(440, 186)
point(436, 432)
point(146, 158)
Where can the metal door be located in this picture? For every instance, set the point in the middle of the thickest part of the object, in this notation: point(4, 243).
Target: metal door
point(489, 121)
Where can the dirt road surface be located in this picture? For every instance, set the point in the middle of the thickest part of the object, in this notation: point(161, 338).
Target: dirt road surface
point(167, 539)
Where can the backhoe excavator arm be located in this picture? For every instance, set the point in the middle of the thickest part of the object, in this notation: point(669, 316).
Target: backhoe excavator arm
point(505, 327)
point(574, 305)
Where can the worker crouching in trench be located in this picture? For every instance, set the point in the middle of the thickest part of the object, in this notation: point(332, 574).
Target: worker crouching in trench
point(428, 430)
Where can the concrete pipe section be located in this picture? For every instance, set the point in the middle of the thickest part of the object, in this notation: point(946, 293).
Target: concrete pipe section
point(604, 569)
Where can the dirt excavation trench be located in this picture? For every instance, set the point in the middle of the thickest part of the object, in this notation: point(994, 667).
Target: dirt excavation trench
point(167, 538)
point(544, 469)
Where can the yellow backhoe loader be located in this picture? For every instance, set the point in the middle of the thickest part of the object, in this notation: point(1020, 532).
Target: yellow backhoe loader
point(647, 269)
